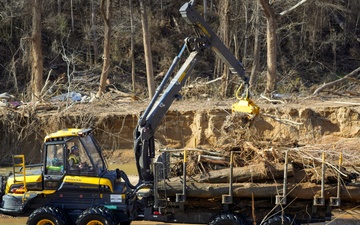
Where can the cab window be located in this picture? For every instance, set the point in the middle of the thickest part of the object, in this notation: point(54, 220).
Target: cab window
point(78, 161)
point(54, 159)
point(92, 148)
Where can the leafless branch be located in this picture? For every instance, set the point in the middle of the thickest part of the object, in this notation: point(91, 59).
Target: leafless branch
point(271, 100)
point(293, 8)
point(286, 121)
point(353, 73)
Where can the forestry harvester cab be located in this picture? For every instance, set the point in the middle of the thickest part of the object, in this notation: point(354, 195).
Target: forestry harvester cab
point(74, 186)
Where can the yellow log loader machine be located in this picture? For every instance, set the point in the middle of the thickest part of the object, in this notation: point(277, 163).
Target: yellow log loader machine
point(73, 185)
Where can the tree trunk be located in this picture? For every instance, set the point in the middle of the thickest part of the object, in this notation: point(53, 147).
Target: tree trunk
point(72, 14)
point(205, 9)
point(224, 35)
point(36, 51)
point(59, 6)
point(271, 46)
point(106, 57)
point(256, 58)
point(132, 47)
point(246, 34)
point(94, 35)
point(147, 50)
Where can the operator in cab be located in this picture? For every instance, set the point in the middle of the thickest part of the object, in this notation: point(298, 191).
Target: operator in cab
point(74, 158)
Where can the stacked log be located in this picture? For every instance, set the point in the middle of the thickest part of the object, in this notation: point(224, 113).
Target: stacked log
point(264, 179)
point(261, 190)
point(257, 172)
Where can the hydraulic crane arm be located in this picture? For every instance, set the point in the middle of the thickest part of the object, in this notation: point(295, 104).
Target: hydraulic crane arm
point(144, 145)
point(144, 133)
point(203, 30)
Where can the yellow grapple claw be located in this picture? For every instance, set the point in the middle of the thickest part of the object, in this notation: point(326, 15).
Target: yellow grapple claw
point(246, 106)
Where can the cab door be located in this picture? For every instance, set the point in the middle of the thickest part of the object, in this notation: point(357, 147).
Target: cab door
point(54, 165)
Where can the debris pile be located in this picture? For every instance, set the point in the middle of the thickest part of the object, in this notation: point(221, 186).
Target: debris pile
point(259, 172)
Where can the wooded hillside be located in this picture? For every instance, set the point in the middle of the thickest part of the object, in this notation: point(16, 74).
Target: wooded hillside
point(317, 41)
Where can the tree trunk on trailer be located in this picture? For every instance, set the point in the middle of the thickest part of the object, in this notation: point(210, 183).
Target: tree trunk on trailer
point(305, 191)
point(252, 173)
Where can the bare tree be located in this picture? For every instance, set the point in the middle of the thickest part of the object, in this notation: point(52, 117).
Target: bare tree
point(220, 67)
point(36, 50)
point(271, 46)
point(147, 49)
point(205, 9)
point(132, 47)
point(256, 60)
point(106, 13)
point(59, 6)
point(94, 34)
point(272, 42)
point(72, 14)
point(224, 34)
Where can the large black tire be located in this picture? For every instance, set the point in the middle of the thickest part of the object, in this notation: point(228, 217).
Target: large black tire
point(96, 215)
point(47, 215)
point(281, 220)
point(227, 218)
point(2, 185)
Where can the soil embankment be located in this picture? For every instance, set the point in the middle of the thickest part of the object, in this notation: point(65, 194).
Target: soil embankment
point(305, 129)
point(325, 125)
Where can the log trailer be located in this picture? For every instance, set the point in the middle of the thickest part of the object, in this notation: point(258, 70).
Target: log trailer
point(56, 193)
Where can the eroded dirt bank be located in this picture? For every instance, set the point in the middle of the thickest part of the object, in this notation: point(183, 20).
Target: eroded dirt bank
point(333, 124)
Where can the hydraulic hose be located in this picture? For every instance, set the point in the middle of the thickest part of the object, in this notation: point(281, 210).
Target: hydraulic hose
point(123, 175)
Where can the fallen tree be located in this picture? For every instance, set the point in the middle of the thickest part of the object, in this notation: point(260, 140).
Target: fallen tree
point(330, 84)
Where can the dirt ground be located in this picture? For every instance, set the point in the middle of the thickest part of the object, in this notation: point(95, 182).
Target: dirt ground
point(349, 217)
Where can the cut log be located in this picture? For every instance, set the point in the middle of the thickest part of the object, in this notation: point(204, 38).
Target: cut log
point(262, 190)
point(213, 159)
point(256, 172)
